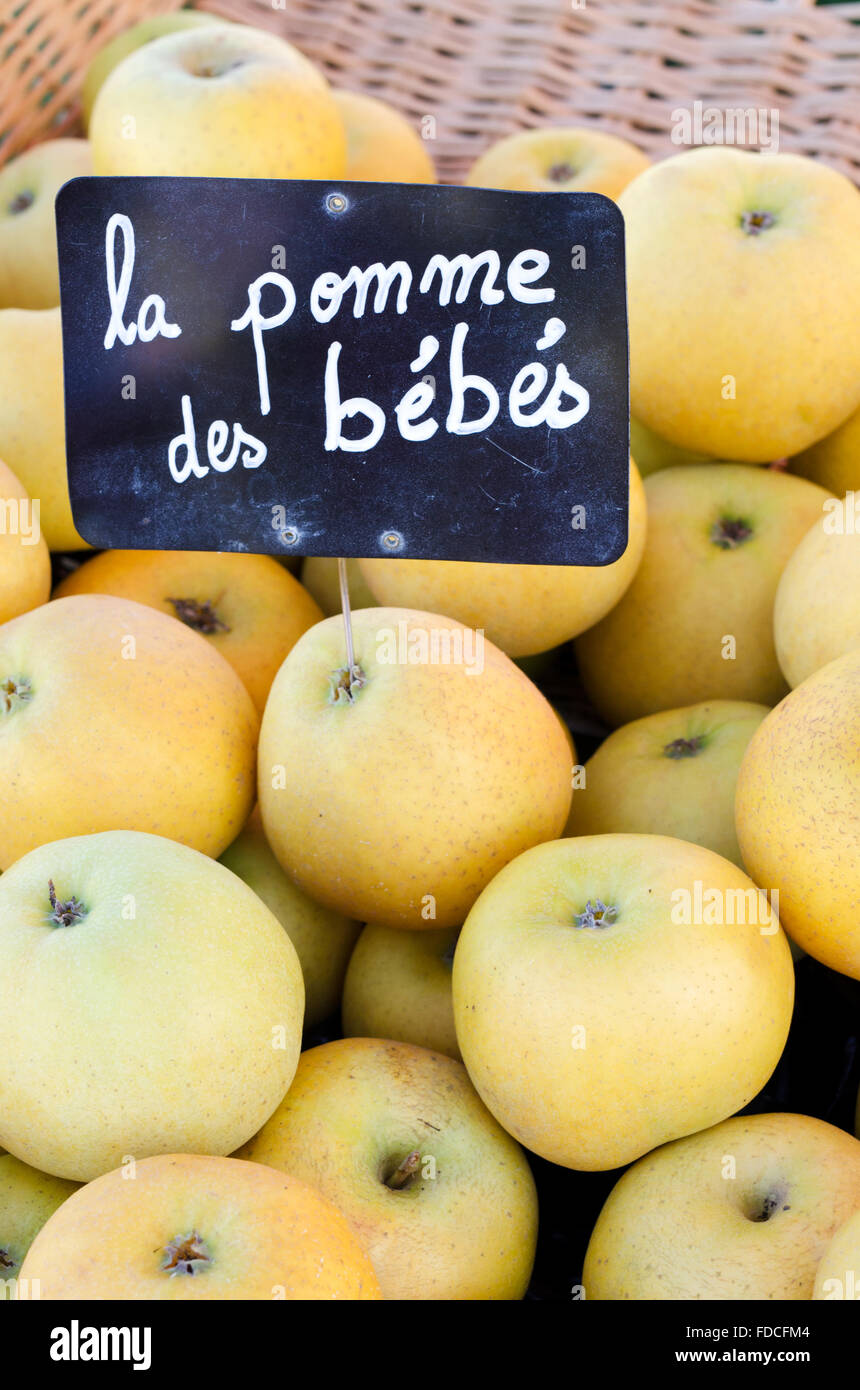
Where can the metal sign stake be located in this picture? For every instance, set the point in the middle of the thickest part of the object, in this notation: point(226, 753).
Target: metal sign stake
point(355, 677)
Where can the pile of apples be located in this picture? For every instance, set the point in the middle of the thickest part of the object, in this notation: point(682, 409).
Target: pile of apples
point(213, 835)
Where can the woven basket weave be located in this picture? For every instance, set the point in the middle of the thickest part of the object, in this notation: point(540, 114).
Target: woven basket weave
point(45, 49)
point(483, 68)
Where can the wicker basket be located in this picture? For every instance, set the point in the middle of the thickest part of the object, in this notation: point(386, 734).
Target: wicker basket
point(474, 70)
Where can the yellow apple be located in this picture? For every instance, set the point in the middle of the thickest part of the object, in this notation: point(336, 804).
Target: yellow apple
point(741, 1211)
point(25, 565)
point(652, 453)
point(743, 280)
point(613, 992)
point(672, 773)
point(395, 1136)
point(132, 38)
point(27, 1199)
point(32, 422)
point(794, 808)
point(816, 615)
point(574, 159)
point(395, 797)
point(323, 939)
point(29, 272)
point(398, 985)
point(381, 145)
point(186, 1227)
point(523, 609)
point(697, 621)
point(834, 462)
point(319, 575)
point(248, 606)
point(151, 1003)
point(225, 101)
point(838, 1274)
point(116, 717)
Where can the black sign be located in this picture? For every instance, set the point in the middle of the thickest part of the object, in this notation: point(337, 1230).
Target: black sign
point(353, 369)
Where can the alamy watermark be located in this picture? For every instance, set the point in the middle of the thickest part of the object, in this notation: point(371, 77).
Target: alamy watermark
point(756, 126)
point(842, 515)
point(15, 1290)
point(85, 1343)
point(435, 646)
point(19, 516)
point(717, 907)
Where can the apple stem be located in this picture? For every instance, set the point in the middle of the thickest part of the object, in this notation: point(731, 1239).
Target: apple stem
point(763, 1208)
point(405, 1171)
point(200, 616)
point(730, 532)
point(596, 914)
point(22, 201)
point(67, 913)
point(561, 173)
point(684, 747)
point(754, 223)
point(345, 683)
point(13, 692)
point(186, 1255)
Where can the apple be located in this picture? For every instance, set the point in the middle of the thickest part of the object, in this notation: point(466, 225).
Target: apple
point(816, 614)
point(574, 159)
point(652, 453)
point(398, 985)
point(838, 1273)
point(29, 272)
point(319, 575)
point(323, 939)
point(25, 564)
point(834, 462)
point(151, 1003)
point(27, 1199)
point(248, 606)
point(381, 145)
point(187, 1227)
point(613, 992)
point(794, 810)
point(743, 280)
point(394, 795)
point(696, 623)
point(740, 1211)
point(672, 773)
point(226, 101)
point(395, 1136)
point(524, 609)
point(133, 38)
point(116, 717)
point(32, 423)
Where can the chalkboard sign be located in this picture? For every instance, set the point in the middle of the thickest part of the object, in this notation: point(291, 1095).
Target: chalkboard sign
point(297, 367)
